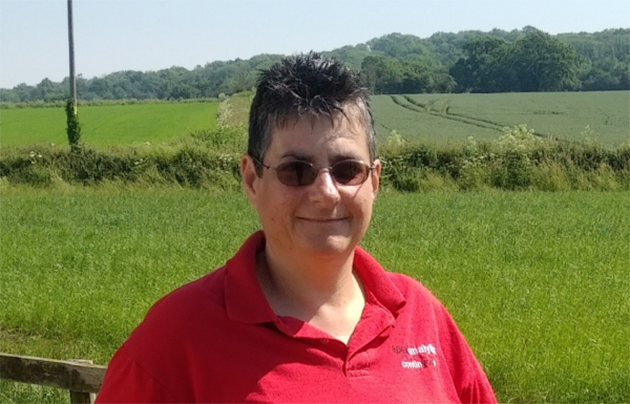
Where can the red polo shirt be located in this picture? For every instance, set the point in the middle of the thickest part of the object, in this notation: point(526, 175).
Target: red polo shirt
point(218, 340)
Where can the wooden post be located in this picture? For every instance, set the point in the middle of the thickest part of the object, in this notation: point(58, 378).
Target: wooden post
point(82, 397)
point(78, 377)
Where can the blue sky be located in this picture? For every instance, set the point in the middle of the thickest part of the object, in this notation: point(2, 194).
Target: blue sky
point(114, 35)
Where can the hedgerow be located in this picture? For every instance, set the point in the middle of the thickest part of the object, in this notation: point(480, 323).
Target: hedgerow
point(517, 160)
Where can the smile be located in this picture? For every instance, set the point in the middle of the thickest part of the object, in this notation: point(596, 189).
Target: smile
point(322, 220)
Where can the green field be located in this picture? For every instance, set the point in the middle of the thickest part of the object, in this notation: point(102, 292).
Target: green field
point(442, 119)
point(538, 282)
point(107, 125)
point(451, 118)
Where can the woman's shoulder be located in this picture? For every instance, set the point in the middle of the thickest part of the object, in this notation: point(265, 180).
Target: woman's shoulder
point(204, 293)
point(177, 314)
point(411, 287)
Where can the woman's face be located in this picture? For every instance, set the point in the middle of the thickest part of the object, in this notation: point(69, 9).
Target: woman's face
point(325, 217)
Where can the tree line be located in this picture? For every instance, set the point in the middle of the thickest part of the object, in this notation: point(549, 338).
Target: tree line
point(467, 61)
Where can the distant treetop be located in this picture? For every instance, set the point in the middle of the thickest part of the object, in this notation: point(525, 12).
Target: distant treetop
point(467, 61)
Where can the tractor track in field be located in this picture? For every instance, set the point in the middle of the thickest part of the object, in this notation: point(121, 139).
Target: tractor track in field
point(468, 117)
point(416, 106)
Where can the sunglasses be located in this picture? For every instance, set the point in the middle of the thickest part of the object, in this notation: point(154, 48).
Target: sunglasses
point(301, 173)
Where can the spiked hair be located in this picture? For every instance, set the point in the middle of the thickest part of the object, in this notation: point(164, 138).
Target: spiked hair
point(305, 85)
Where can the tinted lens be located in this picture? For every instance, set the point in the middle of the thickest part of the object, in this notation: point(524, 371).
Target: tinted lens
point(296, 173)
point(350, 172)
point(301, 173)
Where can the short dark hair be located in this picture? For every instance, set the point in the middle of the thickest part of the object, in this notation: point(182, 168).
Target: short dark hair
point(304, 85)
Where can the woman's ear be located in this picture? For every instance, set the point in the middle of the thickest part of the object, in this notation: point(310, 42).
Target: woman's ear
point(249, 177)
point(376, 176)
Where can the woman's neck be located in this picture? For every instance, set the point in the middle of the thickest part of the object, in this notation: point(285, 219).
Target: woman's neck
point(324, 292)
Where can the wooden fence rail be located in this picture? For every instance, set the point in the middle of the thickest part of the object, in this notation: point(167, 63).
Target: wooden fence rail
point(81, 378)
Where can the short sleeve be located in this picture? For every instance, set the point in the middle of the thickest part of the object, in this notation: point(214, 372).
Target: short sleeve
point(470, 380)
point(127, 382)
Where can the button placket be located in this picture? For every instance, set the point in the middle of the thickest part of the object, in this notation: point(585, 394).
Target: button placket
point(375, 323)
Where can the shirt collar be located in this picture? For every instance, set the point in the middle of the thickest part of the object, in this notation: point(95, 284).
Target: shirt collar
point(246, 302)
point(377, 281)
point(244, 298)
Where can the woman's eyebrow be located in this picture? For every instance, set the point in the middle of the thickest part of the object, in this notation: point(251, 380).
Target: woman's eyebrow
point(304, 156)
point(346, 156)
point(297, 155)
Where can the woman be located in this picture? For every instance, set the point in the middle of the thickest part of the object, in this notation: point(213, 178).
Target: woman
point(301, 313)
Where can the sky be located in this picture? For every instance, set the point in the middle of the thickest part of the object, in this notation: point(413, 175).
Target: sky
point(115, 35)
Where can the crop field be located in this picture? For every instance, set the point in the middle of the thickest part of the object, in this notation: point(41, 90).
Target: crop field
point(450, 118)
point(538, 282)
point(107, 125)
point(441, 119)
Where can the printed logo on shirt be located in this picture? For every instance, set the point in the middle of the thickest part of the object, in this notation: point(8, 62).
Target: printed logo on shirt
point(417, 357)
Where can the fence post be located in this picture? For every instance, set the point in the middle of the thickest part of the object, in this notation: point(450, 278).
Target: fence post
point(77, 397)
point(80, 397)
point(80, 377)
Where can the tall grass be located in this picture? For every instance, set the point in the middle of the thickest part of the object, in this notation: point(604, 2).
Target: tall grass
point(203, 159)
point(536, 281)
point(107, 125)
point(448, 119)
point(519, 159)
point(108, 250)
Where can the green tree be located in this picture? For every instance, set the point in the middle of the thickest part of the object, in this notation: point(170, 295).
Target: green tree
point(478, 69)
point(536, 62)
point(382, 75)
point(7, 95)
point(543, 63)
point(399, 46)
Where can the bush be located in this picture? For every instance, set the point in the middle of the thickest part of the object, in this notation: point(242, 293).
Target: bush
point(73, 128)
point(517, 160)
point(184, 165)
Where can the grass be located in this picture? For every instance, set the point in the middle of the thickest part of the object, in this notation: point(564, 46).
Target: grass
point(450, 118)
point(108, 125)
point(237, 106)
point(441, 119)
point(536, 281)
